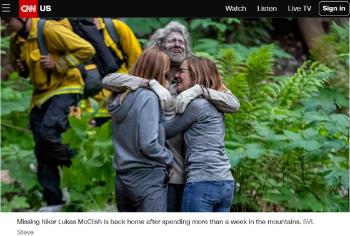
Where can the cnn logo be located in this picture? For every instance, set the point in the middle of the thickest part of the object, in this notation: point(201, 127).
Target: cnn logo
point(28, 8)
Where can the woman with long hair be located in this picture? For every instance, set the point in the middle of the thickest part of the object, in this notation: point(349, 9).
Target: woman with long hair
point(209, 183)
point(141, 159)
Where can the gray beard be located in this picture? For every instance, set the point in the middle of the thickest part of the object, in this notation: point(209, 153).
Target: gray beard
point(175, 58)
point(178, 58)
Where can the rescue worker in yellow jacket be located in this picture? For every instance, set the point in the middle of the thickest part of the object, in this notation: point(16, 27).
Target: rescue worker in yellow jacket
point(57, 88)
point(126, 51)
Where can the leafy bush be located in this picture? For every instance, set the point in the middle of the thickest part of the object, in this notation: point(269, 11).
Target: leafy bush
point(17, 157)
point(90, 179)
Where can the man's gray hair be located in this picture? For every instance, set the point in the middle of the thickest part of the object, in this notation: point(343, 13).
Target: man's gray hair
point(157, 39)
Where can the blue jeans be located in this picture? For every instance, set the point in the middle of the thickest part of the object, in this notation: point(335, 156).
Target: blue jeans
point(207, 196)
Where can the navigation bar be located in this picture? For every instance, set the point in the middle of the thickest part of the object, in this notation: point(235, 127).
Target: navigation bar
point(177, 8)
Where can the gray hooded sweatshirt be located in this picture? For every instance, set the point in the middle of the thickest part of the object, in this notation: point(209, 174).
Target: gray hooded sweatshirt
point(138, 135)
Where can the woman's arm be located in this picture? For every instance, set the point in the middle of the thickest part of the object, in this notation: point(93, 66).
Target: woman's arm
point(117, 82)
point(224, 101)
point(182, 122)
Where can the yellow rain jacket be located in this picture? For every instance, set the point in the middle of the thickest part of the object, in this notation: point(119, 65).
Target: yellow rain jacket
point(131, 48)
point(68, 50)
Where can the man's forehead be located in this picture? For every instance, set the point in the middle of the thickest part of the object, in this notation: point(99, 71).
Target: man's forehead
point(173, 35)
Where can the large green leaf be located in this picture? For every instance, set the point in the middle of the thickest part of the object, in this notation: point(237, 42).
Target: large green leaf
point(254, 150)
point(308, 145)
point(19, 203)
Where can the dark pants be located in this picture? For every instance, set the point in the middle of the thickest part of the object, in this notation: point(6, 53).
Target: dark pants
point(175, 192)
point(208, 196)
point(47, 124)
point(143, 190)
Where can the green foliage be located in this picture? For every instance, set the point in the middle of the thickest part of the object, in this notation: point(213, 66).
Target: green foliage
point(90, 179)
point(332, 49)
point(219, 25)
point(215, 28)
point(303, 84)
point(227, 30)
point(23, 192)
point(5, 41)
point(17, 155)
point(17, 204)
point(251, 32)
point(12, 97)
point(15, 99)
point(15, 158)
point(146, 26)
point(339, 38)
point(283, 141)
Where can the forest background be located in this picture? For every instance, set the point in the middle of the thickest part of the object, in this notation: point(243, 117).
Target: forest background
point(288, 144)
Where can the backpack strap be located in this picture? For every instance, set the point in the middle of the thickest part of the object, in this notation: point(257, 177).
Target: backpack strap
point(114, 35)
point(42, 44)
point(40, 36)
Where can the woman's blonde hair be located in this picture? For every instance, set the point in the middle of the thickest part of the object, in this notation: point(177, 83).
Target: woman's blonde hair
point(204, 72)
point(152, 64)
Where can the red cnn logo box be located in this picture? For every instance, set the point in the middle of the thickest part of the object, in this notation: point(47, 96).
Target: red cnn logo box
point(28, 8)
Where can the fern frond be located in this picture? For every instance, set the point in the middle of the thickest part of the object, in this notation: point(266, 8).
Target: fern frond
point(339, 36)
point(238, 84)
point(303, 84)
point(332, 49)
point(227, 61)
point(263, 100)
point(258, 66)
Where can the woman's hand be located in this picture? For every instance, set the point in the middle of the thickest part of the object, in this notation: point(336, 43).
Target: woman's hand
point(163, 94)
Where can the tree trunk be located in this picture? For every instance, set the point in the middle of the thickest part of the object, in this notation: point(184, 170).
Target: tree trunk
point(311, 29)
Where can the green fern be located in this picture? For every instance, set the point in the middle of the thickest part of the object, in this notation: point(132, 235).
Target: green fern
point(332, 49)
point(339, 36)
point(260, 95)
point(304, 84)
point(258, 66)
point(227, 61)
point(272, 144)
